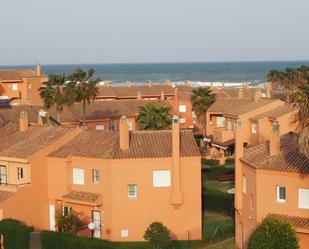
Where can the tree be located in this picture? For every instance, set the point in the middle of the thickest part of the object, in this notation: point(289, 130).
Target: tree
point(201, 99)
point(158, 236)
point(295, 83)
point(57, 93)
point(86, 88)
point(69, 222)
point(274, 233)
point(154, 116)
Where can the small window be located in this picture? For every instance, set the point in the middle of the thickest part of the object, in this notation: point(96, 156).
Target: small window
point(161, 178)
point(20, 173)
point(112, 125)
point(95, 176)
point(253, 128)
point(14, 86)
point(303, 198)
point(124, 233)
point(281, 193)
point(78, 176)
point(193, 115)
point(182, 120)
point(220, 121)
point(244, 184)
point(132, 190)
point(66, 210)
point(29, 86)
point(99, 127)
point(182, 108)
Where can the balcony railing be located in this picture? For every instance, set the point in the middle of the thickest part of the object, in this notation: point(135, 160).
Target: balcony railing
point(222, 134)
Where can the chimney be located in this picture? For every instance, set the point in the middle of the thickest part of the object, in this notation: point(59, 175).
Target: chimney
point(274, 143)
point(168, 82)
point(239, 152)
point(268, 90)
point(38, 70)
point(139, 95)
point(149, 83)
point(245, 85)
point(187, 83)
point(257, 95)
point(176, 100)
point(129, 84)
point(124, 139)
point(223, 84)
point(176, 191)
point(106, 83)
point(240, 93)
point(162, 97)
point(42, 117)
point(23, 121)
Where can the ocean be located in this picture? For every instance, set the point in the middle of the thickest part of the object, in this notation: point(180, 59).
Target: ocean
point(199, 72)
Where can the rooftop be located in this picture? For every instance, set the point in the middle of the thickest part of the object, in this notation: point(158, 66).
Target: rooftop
point(289, 159)
point(81, 196)
point(143, 144)
point(276, 112)
point(295, 221)
point(15, 74)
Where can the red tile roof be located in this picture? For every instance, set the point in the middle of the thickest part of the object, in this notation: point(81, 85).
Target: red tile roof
point(15, 74)
point(81, 196)
point(143, 144)
point(295, 221)
point(276, 112)
point(290, 158)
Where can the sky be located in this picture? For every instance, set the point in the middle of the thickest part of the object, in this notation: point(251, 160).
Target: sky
point(124, 31)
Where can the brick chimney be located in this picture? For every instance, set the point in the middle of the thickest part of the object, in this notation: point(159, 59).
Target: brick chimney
point(162, 95)
point(176, 191)
point(124, 137)
point(149, 83)
point(38, 70)
point(176, 100)
point(239, 152)
point(268, 90)
point(139, 95)
point(257, 95)
point(23, 121)
point(240, 93)
point(274, 143)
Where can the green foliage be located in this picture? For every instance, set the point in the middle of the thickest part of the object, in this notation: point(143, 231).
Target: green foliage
point(154, 116)
point(70, 222)
point(16, 234)
point(210, 162)
point(274, 233)
point(158, 236)
point(218, 201)
point(201, 99)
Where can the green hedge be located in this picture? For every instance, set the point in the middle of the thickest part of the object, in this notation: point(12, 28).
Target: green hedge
point(16, 234)
point(215, 200)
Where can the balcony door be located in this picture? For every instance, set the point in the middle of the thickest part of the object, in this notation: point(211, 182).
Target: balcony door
point(3, 175)
point(96, 217)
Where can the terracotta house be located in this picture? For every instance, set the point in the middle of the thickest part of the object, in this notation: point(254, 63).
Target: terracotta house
point(21, 86)
point(122, 181)
point(271, 180)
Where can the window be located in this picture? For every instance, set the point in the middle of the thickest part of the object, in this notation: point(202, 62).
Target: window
point(99, 127)
point(20, 173)
point(112, 125)
point(130, 125)
point(280, 193)
point(161, 178)
point(182, 108)
point(220, 121)
point(3, 175)
point(29, 86)
point(95, 176)
point(244, 184)
point(253, 128)
point(124, 233)
point(193, 114)
point(78, 176)
point(303, 198)
point(66, 210)
point(14, 86)
point(132, 190)
point(182, 120)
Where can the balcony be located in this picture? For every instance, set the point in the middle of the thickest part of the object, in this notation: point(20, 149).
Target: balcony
point(12, 187)
point(222, 134)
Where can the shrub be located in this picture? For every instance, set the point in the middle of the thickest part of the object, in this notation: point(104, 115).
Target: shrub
point(69, 222)
point(16, 234)
point(158, 236)
point(274, 233)
point(210, 162)
point(216, 200)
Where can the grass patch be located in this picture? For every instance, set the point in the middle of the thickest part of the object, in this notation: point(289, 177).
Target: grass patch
point(221, 186)
point(226, 244)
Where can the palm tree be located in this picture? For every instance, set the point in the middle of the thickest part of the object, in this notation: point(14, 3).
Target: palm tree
point(201, 99)
point(86, 88)
point(154, 116)
point(56, 93)
point(295, 83)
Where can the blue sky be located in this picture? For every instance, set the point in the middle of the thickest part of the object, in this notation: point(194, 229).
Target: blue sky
point(120, 31)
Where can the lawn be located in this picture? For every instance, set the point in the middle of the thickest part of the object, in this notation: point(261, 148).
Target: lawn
point(222, 186)
point(226, 244)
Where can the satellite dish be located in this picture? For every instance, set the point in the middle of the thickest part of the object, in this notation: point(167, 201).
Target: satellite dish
point(91, 226)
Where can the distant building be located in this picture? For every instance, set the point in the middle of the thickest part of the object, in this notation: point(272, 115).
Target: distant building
point(20, 86)
point(122, 181)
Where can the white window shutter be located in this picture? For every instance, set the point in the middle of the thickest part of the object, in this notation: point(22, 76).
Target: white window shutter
point(162, 178)
point(303, 198)
point(78, 176)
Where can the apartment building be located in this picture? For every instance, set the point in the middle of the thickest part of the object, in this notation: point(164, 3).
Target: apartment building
point(271, 180)
point(122, 181)
point(255, 113)
point(20, 86)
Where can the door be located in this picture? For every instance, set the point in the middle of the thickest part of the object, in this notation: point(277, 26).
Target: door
point(96, 217)
point(3, 175)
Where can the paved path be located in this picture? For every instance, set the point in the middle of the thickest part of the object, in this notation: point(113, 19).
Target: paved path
point(35, 240)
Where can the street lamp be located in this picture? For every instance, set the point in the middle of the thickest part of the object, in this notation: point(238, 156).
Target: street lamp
point(91, 227)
